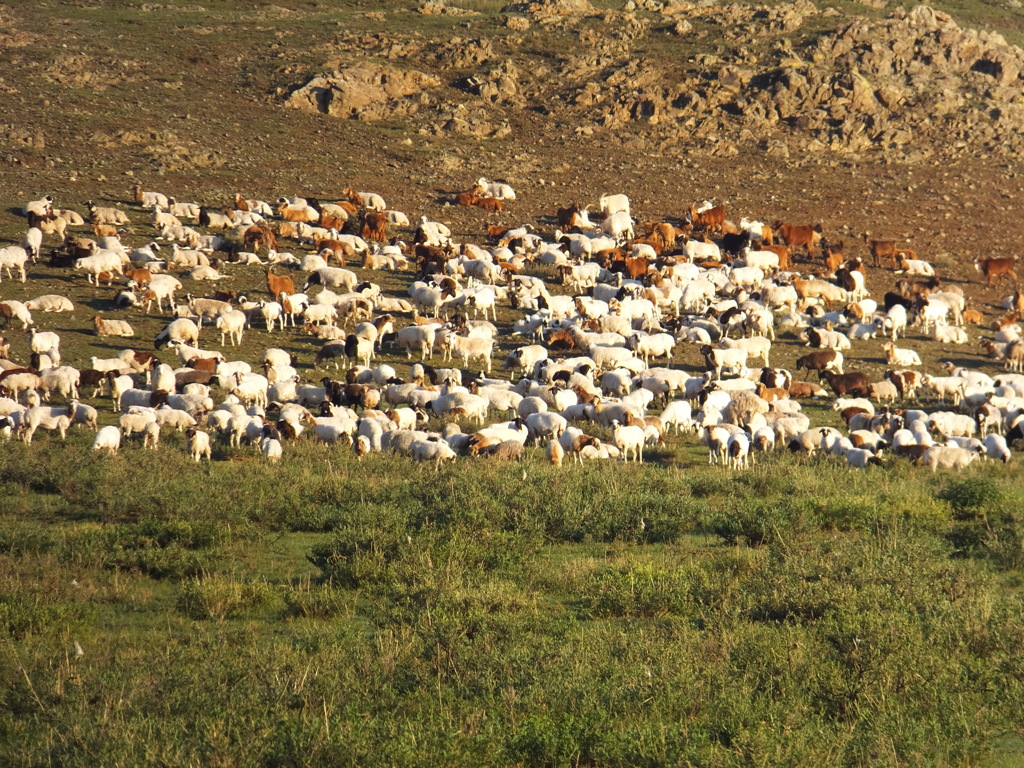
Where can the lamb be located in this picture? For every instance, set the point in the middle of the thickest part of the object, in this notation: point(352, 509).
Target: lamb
point(112, 327)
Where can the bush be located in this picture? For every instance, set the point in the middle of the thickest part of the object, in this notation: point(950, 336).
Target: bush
point(219, 597)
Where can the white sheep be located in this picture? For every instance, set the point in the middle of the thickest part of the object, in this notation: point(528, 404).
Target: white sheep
point(948, 457)
point(47, 417)
point(950, 334)
point(107, 439)
point(432, 233)
point(429, 450)
point(628, 440)
point(161, 287)
point(151, 436)
point(198, 444)
point(118, 328)
point(737, 450)
point(495, 189)
point(12, 308)
point(996, 447)
point(231, 324)
point(272, 450)
point(32, 242)
point(13, 257)
point(902, 358)
point(179, 331)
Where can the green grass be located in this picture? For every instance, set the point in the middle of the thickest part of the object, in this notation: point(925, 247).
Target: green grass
point(492, 621)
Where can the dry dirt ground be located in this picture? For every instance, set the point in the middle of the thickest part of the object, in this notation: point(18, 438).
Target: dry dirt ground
point(190, 100)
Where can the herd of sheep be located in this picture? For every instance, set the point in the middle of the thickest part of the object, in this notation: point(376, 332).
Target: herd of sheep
point(597, 303)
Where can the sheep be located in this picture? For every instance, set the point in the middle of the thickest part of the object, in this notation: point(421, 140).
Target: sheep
point(151, 435)
point(495, 189)
point(432, 233)
point(161, 287)
point(108, 216)
point(948, 457)
point(47, 417)
point(180, 331)
point(911, 266)
point(555, 453)
point(468, 349)
point(13, 257)
point(429, 450)
point(996, 448)
point(112, 327)
point(737, 450)
point(950, 424)
point(647, 346)
point(173, 418)
point(900, 357)
point(107, 439)
point(231, 324)
point(63, 379)
point(13, 309)
point(198, 444)
point(628, 440)
point(149, 199)
point(719, 359)
point(271, 449)
point(46, 342)
point(324, 314)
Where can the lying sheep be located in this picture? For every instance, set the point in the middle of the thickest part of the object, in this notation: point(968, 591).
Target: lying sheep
point(112, 327)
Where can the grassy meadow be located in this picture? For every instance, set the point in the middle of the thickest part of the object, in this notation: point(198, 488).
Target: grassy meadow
point(327, 611)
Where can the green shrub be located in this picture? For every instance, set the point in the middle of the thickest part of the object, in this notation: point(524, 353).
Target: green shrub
point(221, 597)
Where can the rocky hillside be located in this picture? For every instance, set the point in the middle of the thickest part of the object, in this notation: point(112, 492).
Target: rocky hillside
point(911, 86)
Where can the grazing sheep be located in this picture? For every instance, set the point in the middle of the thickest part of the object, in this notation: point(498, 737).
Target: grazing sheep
point(13, 257)
point(948, 457)
point(429, 450)
point(107, 439)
